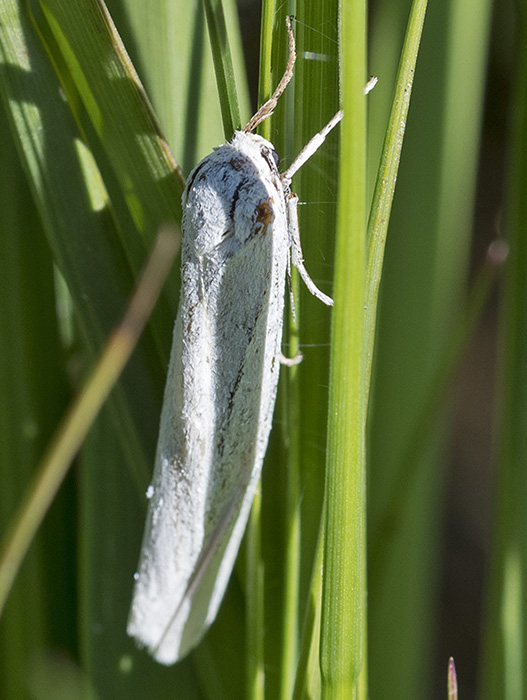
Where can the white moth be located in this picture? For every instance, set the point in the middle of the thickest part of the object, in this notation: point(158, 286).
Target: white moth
point(240, 230)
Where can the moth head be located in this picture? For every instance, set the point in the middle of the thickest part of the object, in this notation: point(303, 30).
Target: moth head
point(258, 146)
point(271, 157)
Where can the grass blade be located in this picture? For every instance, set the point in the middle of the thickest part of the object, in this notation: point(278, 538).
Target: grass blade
point(223, 66)
point(97, 62)
point(81, 237)
point(344, 593)
point(387, 174)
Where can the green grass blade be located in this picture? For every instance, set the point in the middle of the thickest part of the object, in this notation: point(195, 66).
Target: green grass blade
point(316, 100)
point(81, 237)
point(120, 113)
point(221, 53)
point(293, 472)
point(343, 635)
point(387, 174)
point(266, 77)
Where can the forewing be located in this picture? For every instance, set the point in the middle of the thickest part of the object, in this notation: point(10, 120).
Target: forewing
point(218, 403)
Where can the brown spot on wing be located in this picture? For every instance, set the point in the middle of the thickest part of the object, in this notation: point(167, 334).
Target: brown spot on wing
point(265, 215)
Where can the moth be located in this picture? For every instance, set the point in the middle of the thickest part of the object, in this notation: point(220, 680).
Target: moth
point(240, 235)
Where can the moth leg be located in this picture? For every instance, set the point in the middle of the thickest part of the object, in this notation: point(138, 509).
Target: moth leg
point(296, 250)
point(290, 285)
point(291, 361)
point(311, 147)
point(371, 83)
point(268, 107)
point(318, 139)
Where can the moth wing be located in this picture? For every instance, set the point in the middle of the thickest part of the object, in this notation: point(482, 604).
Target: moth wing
point(216, 416)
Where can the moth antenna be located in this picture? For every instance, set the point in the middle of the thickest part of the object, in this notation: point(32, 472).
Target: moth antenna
point(268, 107)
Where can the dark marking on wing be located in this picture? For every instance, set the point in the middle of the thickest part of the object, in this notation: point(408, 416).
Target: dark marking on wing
point(190, 182)
point(230, 404)
point(238, 163)
point(235, 198)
